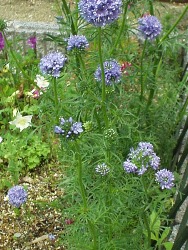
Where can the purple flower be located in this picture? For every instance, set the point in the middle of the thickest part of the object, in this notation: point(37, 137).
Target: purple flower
point(52, 63)
point(77, 128)
point(102, 169)
point(17, 196)
point(77, 42)
point(149, 27)
point(51, 237)
point(32, 41)
point(112, 71)
point(100, 12)
point(130, 167)
point(141, 158)
point(154, 161)
point(165, 178)
point(58, 130)
point(69, 128)
point(2, 42)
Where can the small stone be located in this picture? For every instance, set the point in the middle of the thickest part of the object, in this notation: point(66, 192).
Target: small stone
point(17, 235)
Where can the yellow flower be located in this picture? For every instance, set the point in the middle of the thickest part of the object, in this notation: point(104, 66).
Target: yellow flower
point(22, 122)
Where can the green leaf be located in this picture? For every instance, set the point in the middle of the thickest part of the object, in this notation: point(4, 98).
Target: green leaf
point(168, 245)
point(165, 233)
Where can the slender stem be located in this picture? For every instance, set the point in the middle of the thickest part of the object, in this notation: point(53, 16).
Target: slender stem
point(157, 65)
point(148, 229)
point(103, 78)
point(141, 72)
point(55, 98)
point(122, 28)
point(68, 13)
point(81, 185)
point(175, 24)
point(151, 9)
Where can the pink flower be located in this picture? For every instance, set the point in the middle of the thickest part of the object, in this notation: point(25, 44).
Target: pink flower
point(32, 42)
point(2, 42)
point(69, 221)
point(124, 66)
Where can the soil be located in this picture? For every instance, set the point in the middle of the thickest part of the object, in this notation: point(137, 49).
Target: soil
point(29, 10)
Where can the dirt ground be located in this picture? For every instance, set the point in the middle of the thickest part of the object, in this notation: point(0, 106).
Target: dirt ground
point(29, 10)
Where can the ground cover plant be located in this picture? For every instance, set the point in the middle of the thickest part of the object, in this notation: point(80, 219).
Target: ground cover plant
point(103, 113)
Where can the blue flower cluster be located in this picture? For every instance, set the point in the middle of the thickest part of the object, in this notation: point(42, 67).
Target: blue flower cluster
point(165, 178)
point(69, 128)
point(52, 64)
point(102, 169)
point(112, 71)
point(149, 27)
point(141, 158)
point(17, 196)
point(100, 12)
point(77, 42)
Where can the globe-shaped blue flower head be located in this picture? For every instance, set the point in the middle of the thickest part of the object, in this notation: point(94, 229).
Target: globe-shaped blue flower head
point(77, 42)
point(112, 72)
point(52, 64)
point(165, 178)
point(17, 196)
point(149, 27)
point(100, 12)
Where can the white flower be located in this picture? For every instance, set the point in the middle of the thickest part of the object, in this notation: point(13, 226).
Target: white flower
point(42, 83)
point(1, 139)
point(21, 122)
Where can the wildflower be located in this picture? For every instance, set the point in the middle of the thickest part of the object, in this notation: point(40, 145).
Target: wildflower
point(149, 27)
point(51, 237)
point(69, 221)
point(100, 12)
point(102, 169)
point(124, 67)
point(41, 82)
point(112, 71)
point(69, 128)
point(77, 128)
point(32, 42)
point(35, 93)
point(52, 64)
point(77, 42)
point(22, 122)
point(2, 42)
point(17, 196)
point(130, 167)
point(1, 139)
point(165, 178)
point(141, 158)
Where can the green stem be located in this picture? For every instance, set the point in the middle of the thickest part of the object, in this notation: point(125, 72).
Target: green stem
point(69, 16)
point(55, 98)
point(81, 185)
point(148, 230)
point(157, 65)
point(122, 27)
point(103, 78)
point(175, 24)
point(151, 9)
point(141, 72)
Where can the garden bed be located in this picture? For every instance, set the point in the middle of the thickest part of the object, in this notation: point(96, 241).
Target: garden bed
point(79, 188)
